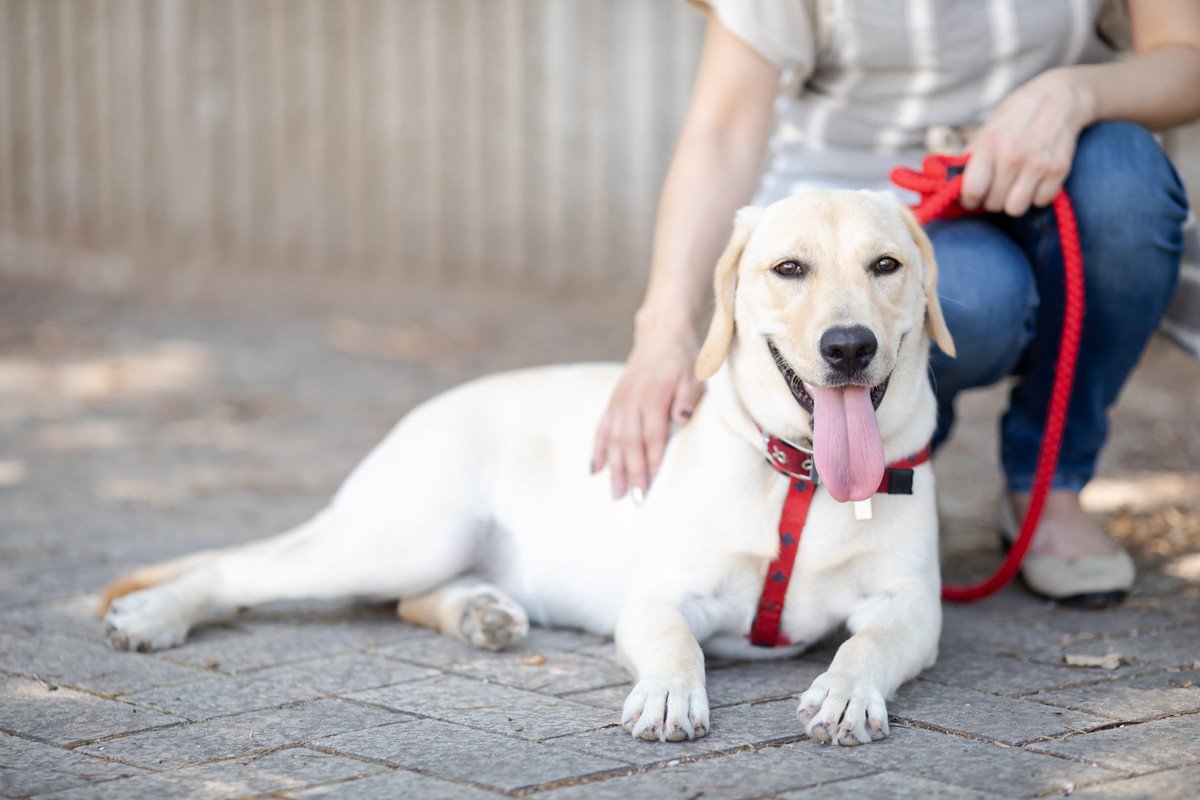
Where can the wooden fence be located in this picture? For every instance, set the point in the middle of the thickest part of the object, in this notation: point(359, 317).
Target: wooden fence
point(472, 140)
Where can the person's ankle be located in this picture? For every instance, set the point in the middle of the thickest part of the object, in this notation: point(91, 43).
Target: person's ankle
point(1064, 529)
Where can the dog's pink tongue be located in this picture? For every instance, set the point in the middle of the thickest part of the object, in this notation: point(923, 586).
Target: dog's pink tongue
point(846, 443)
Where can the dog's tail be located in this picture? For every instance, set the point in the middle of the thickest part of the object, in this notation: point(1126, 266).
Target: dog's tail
point(153, 575)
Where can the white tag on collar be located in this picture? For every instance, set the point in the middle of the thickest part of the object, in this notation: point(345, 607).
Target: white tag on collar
point(862, 509)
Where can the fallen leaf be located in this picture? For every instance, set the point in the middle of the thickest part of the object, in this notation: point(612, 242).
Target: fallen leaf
point(533, 661)
point(1106, 661)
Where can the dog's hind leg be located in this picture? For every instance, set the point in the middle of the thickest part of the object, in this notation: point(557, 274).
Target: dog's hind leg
point(154, 575)
point(467, 608)
point(333, 555)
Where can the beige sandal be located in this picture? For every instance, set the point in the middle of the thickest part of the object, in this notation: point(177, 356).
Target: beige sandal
point(1083, 582)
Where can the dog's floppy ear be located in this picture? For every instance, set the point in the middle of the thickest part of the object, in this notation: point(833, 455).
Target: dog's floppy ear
point(720, 330)
point(935, 323)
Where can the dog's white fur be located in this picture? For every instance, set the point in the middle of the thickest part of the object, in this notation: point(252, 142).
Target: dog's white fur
point(478, 512)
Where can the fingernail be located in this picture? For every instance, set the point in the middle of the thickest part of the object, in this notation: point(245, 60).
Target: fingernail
point(686, 413)
point(594, 466)
point(638, 495)
point(618, 489)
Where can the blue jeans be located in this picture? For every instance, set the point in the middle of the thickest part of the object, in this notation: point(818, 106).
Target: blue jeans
point(1000, 282)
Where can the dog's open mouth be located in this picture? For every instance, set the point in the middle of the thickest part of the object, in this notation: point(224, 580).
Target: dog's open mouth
point(847, 447)
point(800, 392)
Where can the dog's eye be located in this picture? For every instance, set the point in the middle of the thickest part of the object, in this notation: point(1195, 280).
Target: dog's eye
point(885, 266)
point(789, 269)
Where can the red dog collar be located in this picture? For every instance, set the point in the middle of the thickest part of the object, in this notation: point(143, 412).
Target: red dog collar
point(797, 463)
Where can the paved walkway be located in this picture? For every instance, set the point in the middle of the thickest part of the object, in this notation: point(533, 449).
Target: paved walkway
point(133, 430)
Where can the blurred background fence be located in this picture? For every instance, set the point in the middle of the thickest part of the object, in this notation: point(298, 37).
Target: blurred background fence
point(468, 141)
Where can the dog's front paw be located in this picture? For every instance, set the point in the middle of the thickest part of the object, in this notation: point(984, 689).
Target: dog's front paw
point(152, 619)
point(841, 708)
point(666, 710)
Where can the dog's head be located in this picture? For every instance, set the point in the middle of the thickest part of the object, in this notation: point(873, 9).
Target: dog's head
point(822, 303)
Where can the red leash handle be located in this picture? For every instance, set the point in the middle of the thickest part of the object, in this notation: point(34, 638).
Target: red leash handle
point(940, 186)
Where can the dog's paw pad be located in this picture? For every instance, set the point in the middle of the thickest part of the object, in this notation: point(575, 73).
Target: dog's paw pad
point(489, 622)
point(840, 709)
point(151, 619)
point(658, 711)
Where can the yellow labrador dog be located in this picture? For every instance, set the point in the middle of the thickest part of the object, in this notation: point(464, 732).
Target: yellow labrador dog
point(478, 514)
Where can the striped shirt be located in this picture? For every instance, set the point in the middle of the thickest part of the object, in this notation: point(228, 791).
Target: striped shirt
point(866, 80)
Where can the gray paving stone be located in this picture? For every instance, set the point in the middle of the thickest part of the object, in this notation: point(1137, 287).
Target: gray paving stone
point(754, 773)
point(572, 641)
point(345, 673)
point(1132, 699)
point(1007, 675)
point(397, 783)
point(1173, 784)
point(65, 716)
point(1010, 601)
point(959, 761)
point(1164, 743)
point(528, 666)
point(733, 727)
point(615, 742)
point(488, 706)
point(610, 697)
point(92, 666)
point(440, 748)
point(225, 737)
point(250, 643)
point(761, 680)
point(1178, 648)
point(966, 628)
point(61, 579)
point(70, 616)
point(242, 777)
point(889, 784)
point(1002, 719)
point(28, 768)
point(1082, 624)
point(221, 695)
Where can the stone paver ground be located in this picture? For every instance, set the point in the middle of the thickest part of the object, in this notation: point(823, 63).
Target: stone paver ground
point(133, 428)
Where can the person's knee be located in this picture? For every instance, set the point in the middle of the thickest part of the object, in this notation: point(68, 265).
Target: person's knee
point(988, 298)
point(1122, 183)
point(1130, 207)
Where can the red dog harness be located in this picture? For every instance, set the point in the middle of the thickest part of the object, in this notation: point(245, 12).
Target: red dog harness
point(797, 463)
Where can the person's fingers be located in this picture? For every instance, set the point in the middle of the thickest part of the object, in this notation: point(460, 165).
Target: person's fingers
point(600, 444)
point(655, 430)
point(1053, 179)
point(687, 395)
point(1047, 190)
point(977, 179)
point(616, 463)
point(1003, 176)
point(1020, 196)
point(631, 443)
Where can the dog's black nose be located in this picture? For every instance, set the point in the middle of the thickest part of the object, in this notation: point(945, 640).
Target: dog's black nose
point(848, 349)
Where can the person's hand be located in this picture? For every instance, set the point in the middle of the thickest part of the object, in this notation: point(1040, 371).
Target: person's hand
point(1022, 155)
point(659, 385)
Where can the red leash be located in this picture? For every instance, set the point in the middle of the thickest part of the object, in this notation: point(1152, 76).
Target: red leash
point(940, 186)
